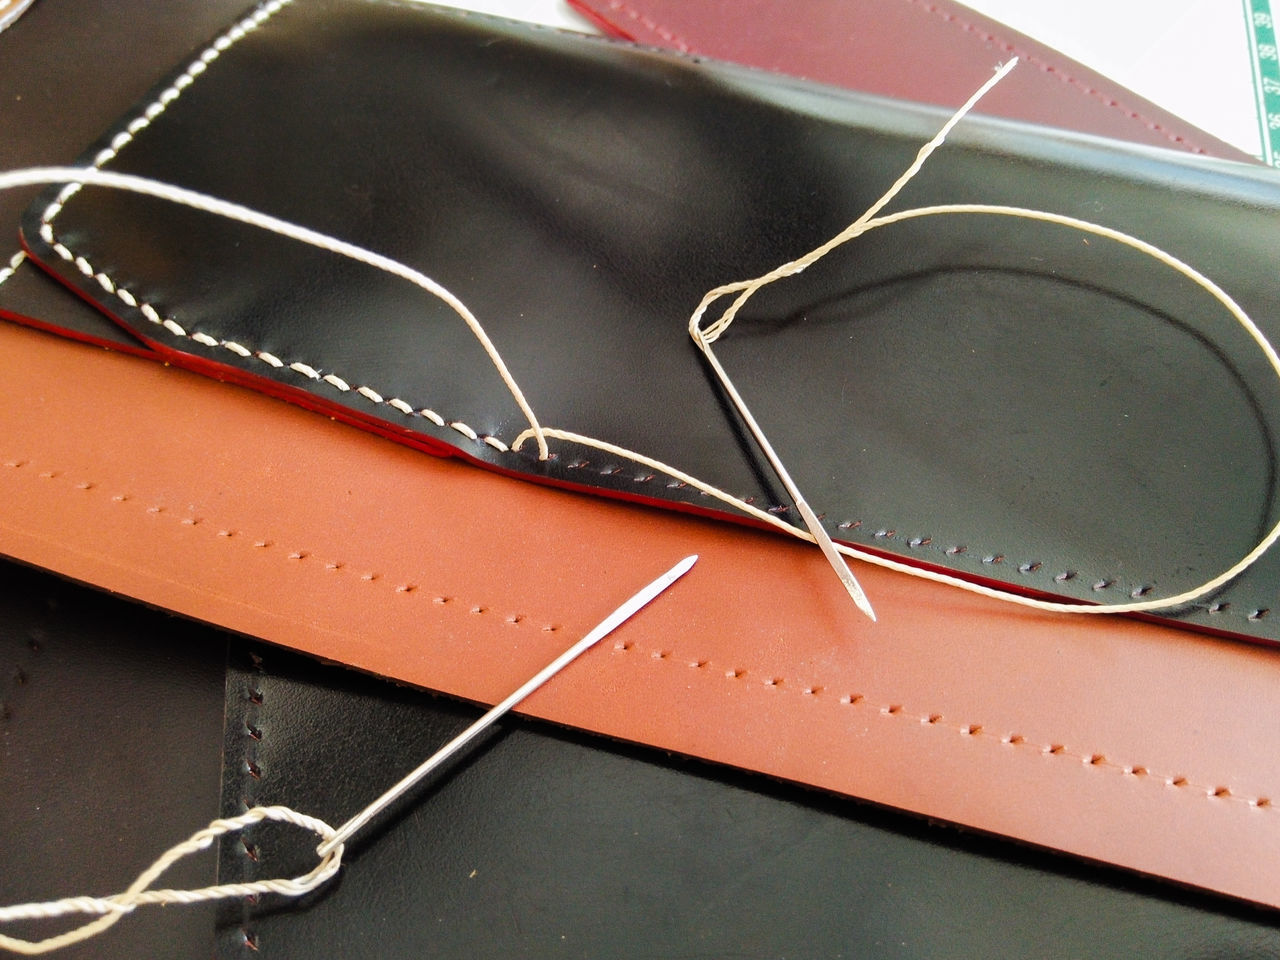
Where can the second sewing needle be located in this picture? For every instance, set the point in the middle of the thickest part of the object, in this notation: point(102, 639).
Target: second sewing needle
point(602, 630)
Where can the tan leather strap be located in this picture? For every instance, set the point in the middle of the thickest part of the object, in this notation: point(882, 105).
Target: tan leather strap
point(1125, 742)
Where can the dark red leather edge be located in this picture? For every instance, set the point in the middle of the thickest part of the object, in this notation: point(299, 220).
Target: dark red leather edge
point(912, 49)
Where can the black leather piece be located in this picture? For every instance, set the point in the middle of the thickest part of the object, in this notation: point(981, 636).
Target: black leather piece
point(545, 843)
point(110, 736)
point(65, 69)
point(1002, 398)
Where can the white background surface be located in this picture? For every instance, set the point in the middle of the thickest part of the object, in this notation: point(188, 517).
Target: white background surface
point(1189, 56)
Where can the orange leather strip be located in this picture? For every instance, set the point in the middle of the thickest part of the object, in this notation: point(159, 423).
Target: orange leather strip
point(1125, 742)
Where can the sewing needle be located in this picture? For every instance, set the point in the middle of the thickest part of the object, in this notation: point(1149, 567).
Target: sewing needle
point(603, 629)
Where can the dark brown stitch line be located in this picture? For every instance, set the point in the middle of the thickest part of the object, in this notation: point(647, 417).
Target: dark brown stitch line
point(1105, 99)
point(735, 673)
point(250, 770)
point(227, 533)
point(987, 37)
point(1094, 759)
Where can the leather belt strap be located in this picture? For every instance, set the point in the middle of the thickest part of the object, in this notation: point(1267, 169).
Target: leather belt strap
point(1125, 742)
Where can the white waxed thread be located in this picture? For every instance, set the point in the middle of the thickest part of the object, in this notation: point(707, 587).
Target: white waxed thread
point(602, 630)
point(111, 909)
point(705, 338)
point(241, 214)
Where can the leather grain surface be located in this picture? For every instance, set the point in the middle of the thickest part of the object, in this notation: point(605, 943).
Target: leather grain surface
point(52, 65)
point(1013, 402)
point(542, 843)
point(1103, 738)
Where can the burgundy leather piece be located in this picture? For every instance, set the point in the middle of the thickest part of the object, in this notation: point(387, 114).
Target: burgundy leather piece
point(978, 394)
point(911, 49)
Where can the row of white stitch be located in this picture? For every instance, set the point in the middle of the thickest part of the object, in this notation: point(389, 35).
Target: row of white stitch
point(166, 96)
point(14, 263)
point(297, 366)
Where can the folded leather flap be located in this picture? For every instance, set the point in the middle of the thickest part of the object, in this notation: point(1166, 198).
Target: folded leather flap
point(1015, 402)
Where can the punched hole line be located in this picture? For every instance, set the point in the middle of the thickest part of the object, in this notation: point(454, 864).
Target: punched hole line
point(110, 909)
point(92, 176)
point(603, 629)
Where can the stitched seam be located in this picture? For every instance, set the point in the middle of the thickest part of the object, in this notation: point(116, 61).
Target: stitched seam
point(986, 36)
point(892, 710)
point(168, 95)
point(253, 700)
point(299, 367)
point(1044, 66)
point(11, 268)
point(812, 690)
point(649, 24)
point(144, 119)
point(1251, 612)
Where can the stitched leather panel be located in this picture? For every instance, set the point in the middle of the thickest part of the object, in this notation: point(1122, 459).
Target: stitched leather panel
point(1099, 736)
point(54, 102)
point(241, 511)
point(547, 843)
point(999, 398)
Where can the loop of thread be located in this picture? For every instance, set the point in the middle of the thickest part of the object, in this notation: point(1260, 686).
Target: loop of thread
point(112, 908)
